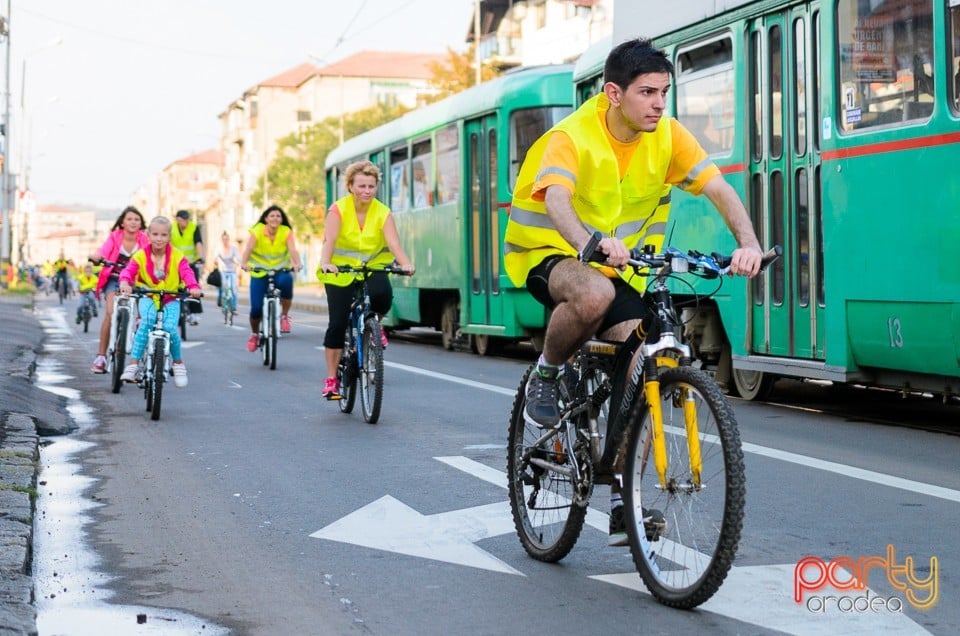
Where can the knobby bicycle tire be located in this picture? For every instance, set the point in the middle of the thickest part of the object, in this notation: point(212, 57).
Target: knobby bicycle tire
point(347, 373)
point(159, 377)
point(687, 559)
point(119, 350)
point(547, 518)
point(371, 375)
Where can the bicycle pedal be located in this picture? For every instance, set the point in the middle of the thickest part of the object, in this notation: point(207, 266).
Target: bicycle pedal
point(333, 397)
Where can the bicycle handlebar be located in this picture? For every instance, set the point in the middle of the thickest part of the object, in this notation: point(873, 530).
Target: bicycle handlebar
point(271, 270)
point(713, 265)
point(367, 269)
point(180, 294)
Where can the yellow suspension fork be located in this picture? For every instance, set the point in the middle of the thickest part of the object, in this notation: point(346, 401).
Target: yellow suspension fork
point(651, 387)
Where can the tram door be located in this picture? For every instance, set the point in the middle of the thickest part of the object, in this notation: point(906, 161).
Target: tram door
point(483, 227)
point(787, 301)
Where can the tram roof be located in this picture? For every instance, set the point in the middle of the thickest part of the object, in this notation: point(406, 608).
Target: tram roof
point(526, 85)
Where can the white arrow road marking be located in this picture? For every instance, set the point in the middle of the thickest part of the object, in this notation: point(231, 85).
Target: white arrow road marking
point(763, 595)
point(388, 524)
point(760, 595)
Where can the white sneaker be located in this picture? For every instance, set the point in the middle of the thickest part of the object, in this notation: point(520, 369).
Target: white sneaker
point(130, 373)
point(179, 375)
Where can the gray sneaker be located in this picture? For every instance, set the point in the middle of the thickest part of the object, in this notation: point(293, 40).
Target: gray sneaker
point(543, 398)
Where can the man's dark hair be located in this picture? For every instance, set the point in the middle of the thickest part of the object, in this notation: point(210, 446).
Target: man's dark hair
point(636, 57)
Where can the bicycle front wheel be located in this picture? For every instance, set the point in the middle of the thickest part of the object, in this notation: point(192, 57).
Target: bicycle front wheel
point(547, 514)
point(371, 375)
point(686, 547)
point(270, 333)
point(119, 354)
point(159, 377)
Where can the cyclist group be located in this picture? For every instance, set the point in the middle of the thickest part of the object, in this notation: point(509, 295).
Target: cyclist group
point(608, 167)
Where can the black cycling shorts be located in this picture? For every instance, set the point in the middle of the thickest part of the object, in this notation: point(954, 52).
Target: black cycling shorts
point(627, 303)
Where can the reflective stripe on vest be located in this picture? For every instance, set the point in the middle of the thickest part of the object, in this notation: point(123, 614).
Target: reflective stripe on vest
point(355, 245)
point(635, 209)
point(266, 253)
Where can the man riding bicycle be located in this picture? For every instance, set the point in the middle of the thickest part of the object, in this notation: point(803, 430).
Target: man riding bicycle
point(61, 276)
point(185, 235)
point(607, 167)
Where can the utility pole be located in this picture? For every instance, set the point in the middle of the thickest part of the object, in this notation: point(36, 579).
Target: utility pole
point(476, 39)
point(5, 199)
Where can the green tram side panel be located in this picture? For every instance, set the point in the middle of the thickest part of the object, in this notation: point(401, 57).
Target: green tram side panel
point(892, 279)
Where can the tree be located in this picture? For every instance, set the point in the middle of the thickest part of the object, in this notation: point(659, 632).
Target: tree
point(295, 179)
point(457, 73)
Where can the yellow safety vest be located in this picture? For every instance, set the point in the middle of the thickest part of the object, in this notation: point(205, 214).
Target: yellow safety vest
point(355, 246)
point(185, 241)
point(635, 209)
point(87, 283)
point(269, 254)
point(145, 275)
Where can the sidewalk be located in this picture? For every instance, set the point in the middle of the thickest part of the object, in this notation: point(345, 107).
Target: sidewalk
point(26, 413)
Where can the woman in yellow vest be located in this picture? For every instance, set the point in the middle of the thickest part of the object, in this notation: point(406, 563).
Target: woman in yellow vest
point(160, 267)
point(609, 168)
point(87, 286)
point(359, 229)
point(271, 245)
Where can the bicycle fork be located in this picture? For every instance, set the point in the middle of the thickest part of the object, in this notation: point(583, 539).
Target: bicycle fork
point(651, 388)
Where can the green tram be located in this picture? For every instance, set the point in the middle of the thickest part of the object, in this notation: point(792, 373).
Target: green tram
point(449, 170)
point(838, 122)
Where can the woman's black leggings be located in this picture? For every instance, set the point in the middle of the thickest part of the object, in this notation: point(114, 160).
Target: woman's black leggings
point(340, 298)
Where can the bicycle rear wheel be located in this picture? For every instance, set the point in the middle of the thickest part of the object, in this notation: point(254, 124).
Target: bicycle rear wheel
point(547, 513)
point(347, 375)
point(684, 562)
point(159, 377)
point(119, 355)
point(371, 375)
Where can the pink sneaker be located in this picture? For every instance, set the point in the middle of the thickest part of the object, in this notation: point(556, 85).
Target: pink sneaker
point(383, 338)
point(253, 342)
point(331, 389)
point(99, 365)
point(284, 324)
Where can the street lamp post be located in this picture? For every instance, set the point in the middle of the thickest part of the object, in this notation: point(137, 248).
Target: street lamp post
point(5, 198)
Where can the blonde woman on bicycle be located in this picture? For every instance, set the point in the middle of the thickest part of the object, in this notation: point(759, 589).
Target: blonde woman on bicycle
point(159, 267)
point(271, 245)
point(359, 229)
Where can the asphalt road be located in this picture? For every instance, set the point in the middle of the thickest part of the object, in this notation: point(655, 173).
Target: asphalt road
point(256, 507)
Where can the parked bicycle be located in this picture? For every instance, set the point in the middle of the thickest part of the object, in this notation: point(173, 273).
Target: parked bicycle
point(156, 364)
point(270, 322)
point(670, 436)
point(362, 360)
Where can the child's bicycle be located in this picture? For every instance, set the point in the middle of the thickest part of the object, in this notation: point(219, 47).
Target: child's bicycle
point(228, 302)
point(87, 310)
point(270, 320)
point(362, 360)
point(156, 364)
point(123, 325)
point(671, 437)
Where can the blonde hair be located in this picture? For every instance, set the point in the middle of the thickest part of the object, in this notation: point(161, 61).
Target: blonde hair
point(361, 167)
point(161, 220)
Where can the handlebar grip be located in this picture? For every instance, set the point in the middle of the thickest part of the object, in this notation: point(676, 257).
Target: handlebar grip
point(770, 257)
point(589, 252)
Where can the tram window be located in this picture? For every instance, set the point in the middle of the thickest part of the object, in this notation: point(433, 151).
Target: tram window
point(448, 164)
point(756, 139)
point(526, 126)
point(758, 208)
point(705, 101)
point(776, 233)
point(399, 179)
point(422, 174)
point(886, 62)
point(803, 239)
point(954, 50)
point(799, 86)
point(775, 43)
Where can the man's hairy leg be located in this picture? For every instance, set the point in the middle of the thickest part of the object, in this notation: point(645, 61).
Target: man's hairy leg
point(583, 296)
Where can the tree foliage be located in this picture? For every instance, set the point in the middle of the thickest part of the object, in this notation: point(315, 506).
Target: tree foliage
point(295, 179)
point(457, 73)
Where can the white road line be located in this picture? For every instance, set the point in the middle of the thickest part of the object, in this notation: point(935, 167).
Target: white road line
point(810, 462)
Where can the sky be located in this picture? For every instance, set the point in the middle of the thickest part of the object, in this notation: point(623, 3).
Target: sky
point(116, 90)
